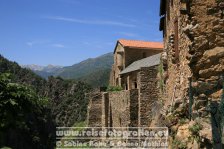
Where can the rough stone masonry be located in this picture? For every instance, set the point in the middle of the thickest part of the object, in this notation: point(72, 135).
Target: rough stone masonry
point(193, 61)
point(126, 108)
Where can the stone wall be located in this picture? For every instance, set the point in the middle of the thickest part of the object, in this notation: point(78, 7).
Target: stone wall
point(105, 110)
point(94, 113)
point(193, 70)
point(132, 55)
point(113, 109)
point(148, 94)
point(116, 69)
point(121, 104)
point(134, 108)
point(128, 108)
point(124, 56)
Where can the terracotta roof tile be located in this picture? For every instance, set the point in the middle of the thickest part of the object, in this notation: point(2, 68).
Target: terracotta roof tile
point(141, 44)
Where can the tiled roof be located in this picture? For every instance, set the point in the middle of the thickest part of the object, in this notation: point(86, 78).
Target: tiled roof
point(146, 62)
point(140, 44)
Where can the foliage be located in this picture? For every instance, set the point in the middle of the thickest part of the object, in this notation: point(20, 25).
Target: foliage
point(97, 78)
point(68, 107)
point(195, 130)
point(114, 88)
point(64, 95)
point(182, 121)
point(177, 144)
point(24, 116)
point(29, 105)
point(80, 125)
point(22, 76)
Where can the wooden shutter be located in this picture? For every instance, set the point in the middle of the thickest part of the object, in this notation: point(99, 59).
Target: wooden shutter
point(168, 10)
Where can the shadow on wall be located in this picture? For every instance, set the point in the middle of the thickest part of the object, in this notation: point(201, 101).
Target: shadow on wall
point(216, 123)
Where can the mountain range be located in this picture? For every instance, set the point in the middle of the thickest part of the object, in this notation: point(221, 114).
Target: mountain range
point(94, 71)
point(48, 68)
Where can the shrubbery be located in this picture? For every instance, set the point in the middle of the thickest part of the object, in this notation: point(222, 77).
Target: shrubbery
point(26, 121)
point(114, 88)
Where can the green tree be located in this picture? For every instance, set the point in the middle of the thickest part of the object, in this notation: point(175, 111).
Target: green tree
point(25, 119)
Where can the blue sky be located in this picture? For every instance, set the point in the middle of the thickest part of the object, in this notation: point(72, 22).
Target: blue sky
point(64, 32)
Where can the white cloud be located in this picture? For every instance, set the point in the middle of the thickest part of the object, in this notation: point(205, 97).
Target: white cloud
point(44, 43)
point(37, 42)
point(57, 45)
point(93, 22)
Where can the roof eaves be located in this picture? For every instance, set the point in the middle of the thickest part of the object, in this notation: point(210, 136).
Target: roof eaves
point(116, 46)
point(132, 47)
point(162, 7)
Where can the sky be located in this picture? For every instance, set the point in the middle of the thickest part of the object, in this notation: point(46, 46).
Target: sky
point(65, 32)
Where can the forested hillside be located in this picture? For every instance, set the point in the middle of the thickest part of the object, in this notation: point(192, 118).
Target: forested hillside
point(31, 107)
point(94, 71)
point(69, 104)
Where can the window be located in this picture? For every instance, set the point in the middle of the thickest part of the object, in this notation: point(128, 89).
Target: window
point(136, 86)
point(144, 55)
point(176, 41)
point(120, 121)
point(171, 1)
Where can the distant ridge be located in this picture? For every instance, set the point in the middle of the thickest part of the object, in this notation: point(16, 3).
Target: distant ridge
point(48, 68)
point(94, 71)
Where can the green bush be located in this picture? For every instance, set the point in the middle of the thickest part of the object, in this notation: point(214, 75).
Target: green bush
point(195, 128)
point(195, 131)
point(178, 144)
point(114, 88)
point(182, 121)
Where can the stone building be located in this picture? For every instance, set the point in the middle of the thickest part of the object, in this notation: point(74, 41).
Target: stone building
point(128, 51)
point(193, 62)
point(135, 68)
point(132, 76)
